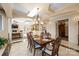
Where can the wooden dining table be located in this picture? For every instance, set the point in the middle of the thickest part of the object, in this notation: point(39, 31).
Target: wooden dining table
point(43, 42)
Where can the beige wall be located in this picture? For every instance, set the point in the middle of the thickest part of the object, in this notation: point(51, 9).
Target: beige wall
point(72, 28)
point(66, 28)
point(73, 31)
point(51, 28)
point(4, 32)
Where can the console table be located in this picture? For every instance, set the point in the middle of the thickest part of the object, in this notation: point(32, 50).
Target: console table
point(16, 35)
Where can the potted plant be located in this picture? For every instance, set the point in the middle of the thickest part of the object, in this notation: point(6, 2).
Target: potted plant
point(3, 41)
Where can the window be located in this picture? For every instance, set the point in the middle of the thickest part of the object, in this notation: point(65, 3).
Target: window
point(1, 24)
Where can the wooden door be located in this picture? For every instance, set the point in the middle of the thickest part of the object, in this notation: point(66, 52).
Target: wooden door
point(61, 30)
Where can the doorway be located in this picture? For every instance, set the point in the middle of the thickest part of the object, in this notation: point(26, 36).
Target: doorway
point(62, 29)
point(20, 27)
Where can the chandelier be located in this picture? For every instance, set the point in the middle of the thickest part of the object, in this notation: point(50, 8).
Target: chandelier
point(37, 23)
point(37, 18)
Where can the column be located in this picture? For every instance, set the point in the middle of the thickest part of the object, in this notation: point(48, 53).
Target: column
point(10, 29)
point(73, 30)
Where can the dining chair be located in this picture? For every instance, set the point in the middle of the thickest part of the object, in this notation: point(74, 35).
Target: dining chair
point(28, 39)
point(53, 49)
point(29, 36)
point(29, 43)
point(34, 45)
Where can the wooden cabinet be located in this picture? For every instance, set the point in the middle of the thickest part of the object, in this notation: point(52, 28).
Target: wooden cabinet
point(16, 35)
point(15, 32)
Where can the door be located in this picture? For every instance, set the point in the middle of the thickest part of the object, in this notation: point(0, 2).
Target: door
point(61, 30)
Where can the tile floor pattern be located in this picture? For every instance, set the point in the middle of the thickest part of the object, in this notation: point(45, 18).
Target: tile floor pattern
point(20, 49)
point(71, 45)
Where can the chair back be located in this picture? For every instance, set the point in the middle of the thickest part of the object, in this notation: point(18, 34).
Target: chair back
point(29, 37)
point(31, 40)
point(56, 46)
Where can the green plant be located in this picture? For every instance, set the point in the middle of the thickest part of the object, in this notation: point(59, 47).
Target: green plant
point(3, 41)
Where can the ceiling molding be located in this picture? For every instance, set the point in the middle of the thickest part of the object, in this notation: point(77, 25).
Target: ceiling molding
point(64, 16)
point(8, 9)
point(18, 14)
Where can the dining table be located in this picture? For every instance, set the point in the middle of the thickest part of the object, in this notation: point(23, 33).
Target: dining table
point(43, 42)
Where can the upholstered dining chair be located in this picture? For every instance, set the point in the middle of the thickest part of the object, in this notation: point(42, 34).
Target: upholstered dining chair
point(28, 40)
point(29, 36)
point(53, 49)
point(34, 45)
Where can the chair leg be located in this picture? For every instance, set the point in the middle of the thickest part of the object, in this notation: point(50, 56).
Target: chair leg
point(28, 45)
point(34, 51)
point(42, 53)
point(57, 54)
point(31, 48)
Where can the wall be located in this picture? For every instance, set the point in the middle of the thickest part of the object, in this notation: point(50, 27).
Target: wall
point(51, 28)
point(66, 28)
point(72, 28)
point(4, 32)
point(0, 22)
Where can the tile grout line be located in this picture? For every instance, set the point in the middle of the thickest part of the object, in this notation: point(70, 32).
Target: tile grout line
point(69, 48)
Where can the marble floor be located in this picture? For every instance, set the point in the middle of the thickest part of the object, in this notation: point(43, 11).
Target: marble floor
point(20, 49)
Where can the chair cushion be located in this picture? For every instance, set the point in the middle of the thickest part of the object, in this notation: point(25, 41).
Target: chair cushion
point(37, 45)
point(49, 47)
point(48, 51)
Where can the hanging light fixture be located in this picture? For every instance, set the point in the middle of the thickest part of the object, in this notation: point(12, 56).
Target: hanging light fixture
point(37, 23)
point(37, 19)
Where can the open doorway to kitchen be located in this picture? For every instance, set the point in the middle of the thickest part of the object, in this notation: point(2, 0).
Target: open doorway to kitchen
point(62, 29)
point(20, 27)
